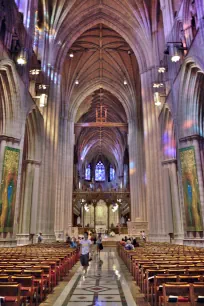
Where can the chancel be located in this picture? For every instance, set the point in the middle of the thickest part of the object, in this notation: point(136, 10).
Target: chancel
point(102, 137)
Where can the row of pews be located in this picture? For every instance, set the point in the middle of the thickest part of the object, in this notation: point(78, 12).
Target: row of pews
point(29, 273)
point(167, 274)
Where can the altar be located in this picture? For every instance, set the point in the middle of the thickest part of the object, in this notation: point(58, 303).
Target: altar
point(100, 229)
point(100, 216)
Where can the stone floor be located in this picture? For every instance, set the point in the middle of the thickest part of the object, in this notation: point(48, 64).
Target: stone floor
point(108, 283)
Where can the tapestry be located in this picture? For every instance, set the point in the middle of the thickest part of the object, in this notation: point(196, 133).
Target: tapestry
point(8, 189)
point(190, 189)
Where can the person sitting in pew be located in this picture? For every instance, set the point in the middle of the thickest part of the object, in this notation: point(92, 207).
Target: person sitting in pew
point(40, 239)
point(135, 243)
point(129, 245)
point(73, 243)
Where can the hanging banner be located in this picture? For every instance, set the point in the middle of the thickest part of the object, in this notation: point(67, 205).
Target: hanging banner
point(190, 189)
point(8, 189)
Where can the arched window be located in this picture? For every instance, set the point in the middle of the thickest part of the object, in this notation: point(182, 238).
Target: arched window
point(88, 173)
point(112, 173)
point(17, 2)
point(24, 7)
point(100, 174)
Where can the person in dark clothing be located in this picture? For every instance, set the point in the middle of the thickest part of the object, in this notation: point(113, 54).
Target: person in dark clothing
point(135, 243)
point(68, 240)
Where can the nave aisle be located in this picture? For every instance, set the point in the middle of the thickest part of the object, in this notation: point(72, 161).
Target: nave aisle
point(104, 285)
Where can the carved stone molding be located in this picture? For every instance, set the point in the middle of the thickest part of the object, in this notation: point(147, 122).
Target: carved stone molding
point(23, 239)
point(33, 162)
point(191, 137)
point(9, 139)
point(169, 161)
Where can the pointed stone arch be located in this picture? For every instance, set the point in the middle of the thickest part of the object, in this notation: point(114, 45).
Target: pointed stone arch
point(191, 114)
point(168, 136)
point(30, 176)
point(10, 102)
point(132, 36)
point(190, 107)
point(86, 91)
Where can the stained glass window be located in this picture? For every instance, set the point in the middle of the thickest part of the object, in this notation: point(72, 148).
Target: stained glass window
point(88, 173)
point(100, 174)
point(112, 173)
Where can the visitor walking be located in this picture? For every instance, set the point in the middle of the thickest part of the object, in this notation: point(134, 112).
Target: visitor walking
point(85, 249)
point(99, 244)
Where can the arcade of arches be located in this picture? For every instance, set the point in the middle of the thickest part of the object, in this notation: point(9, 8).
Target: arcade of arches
point(101, 119)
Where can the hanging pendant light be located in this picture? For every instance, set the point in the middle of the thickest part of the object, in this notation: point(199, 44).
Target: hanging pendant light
point(161, 69)
point(21, 60)
point(43, 100)
point(175, 57)
point(157, 101)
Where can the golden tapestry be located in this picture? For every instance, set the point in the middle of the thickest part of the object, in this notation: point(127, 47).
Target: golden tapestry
point(8, 189)
point(190, 190)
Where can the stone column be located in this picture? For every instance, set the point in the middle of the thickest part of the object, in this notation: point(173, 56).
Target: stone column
point(29, 201)
point(60, 192)
point(82, 216)
point(119, 213)
point(26, 204)
point(133, 171)
point(168, 17)
point(48, 186)
point(35, 198)
point(94, 216)
point(199, 7)
point(63, 211)
point(172, 194)
point(153, 177)
point(108, 206)
point(69, 163)
point(137, 175)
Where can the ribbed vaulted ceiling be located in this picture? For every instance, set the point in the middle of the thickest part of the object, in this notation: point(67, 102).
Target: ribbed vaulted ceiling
point(100, 55)
point(109, 40)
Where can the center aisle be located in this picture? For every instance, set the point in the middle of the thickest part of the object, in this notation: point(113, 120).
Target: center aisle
point(104, 285)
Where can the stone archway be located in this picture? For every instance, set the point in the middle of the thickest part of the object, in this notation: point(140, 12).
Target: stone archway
point(85, 67)
point(190, 142)
point(10, 141)
point(29, 224)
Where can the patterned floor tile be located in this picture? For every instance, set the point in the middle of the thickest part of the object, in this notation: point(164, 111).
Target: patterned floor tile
point(87, 283)
point(97, 289)
point(81, 298)
point(77, 304)
point(110, 286)
point(109, 283)
point(108, 298)
point(81, 291)
point(96, 304)
point(102, 286)
point(111, 292)
point(108, 304)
